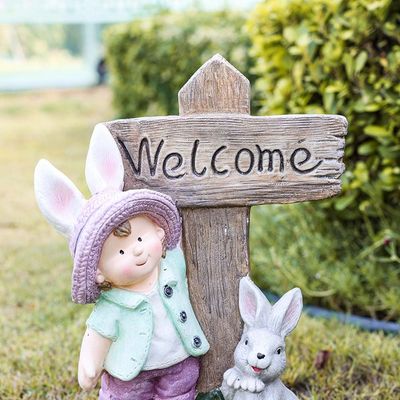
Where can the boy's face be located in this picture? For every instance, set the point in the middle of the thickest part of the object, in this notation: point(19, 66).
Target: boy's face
point(129, 260)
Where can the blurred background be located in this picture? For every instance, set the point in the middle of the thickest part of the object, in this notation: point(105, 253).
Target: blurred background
point(66, 65)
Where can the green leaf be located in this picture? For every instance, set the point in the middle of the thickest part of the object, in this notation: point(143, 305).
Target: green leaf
point(372, 107)
point(329, 102)
point(343, 202)
point(361, 172)
point(334, 88)
point(290, 34)
point(376, 131)
point(360, 61)
point(364, 206)
point(297, 73)
point(349, 64)
point(367, 148)
point(391, 153)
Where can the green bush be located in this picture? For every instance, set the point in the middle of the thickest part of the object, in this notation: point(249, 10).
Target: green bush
point(338, 57)
point(151, 59)
point(293, 245)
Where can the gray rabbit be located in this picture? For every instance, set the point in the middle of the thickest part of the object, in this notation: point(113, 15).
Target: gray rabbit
point(260, 356)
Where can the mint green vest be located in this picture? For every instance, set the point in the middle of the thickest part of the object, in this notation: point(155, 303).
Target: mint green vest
point(126, 318)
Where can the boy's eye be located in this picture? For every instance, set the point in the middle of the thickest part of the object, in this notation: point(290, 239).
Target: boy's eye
point(121, 252)
point(139, 239)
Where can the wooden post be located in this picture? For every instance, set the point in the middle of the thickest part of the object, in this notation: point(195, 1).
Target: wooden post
point(216, 239)
point(216, 161)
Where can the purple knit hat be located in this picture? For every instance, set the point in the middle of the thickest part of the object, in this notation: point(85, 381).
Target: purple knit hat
point(103, 213)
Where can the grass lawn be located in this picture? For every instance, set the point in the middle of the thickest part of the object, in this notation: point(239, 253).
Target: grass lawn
point(41, 329)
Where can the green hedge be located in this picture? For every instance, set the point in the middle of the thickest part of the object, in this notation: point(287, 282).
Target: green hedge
point(293, 245)
point(151, 59)
point(338, 57)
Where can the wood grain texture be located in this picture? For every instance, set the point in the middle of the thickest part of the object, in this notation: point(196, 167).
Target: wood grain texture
point(232, 159)
point(216, 86)
point(215, 242)
point(214, 273)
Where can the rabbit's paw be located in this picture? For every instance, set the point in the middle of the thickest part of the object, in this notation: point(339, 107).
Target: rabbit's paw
point(252, 384)
point(232, 377)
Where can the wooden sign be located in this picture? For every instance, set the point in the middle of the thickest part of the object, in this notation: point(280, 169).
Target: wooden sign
point(235, 160)
point(216, 160)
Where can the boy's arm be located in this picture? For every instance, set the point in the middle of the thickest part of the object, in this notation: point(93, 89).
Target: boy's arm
point(94, 350)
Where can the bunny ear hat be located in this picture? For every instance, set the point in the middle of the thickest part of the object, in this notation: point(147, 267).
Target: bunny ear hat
point(257, 312)
point(88, 223)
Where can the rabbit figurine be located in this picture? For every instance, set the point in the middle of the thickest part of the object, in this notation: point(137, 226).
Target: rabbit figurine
point(260, 356)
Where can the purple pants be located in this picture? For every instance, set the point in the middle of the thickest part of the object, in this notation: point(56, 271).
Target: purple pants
point(177, 382)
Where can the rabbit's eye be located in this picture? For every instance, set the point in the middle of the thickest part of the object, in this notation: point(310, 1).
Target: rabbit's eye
point(121, 252)
point(279, 350)
point(246, 342)
point(139, 239)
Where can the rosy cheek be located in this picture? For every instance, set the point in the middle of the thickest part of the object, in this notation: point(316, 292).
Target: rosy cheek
point(155, 246)
point(126, 265)
point(127, 271)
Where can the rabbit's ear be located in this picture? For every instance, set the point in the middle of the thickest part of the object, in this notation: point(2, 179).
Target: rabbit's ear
point(104, 168)
point(286, 312)
point(253, 305)
point(58, 198)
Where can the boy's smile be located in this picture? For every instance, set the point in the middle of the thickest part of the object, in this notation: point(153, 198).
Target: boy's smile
point(131, 261)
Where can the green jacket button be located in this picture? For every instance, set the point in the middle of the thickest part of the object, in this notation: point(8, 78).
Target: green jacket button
point(183, 316)
point(196, 342)
point(168, 291)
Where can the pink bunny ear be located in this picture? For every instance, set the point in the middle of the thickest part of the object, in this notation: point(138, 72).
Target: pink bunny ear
point(286, 312)
point(253, 305)
point(58, 198)
point(104, 168)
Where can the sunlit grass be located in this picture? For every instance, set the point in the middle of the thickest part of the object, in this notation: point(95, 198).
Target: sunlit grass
point(40, 328)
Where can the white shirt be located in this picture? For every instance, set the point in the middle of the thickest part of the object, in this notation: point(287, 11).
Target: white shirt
point(166, 347)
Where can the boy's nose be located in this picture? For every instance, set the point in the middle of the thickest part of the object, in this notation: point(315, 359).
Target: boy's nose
point(137, 250)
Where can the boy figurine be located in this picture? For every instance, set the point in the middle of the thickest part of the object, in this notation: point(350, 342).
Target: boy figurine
point(142, 332)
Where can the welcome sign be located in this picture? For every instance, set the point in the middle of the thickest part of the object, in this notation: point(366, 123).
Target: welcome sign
point(232, 160)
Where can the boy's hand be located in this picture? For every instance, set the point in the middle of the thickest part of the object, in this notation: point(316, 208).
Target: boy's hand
point(93, 353)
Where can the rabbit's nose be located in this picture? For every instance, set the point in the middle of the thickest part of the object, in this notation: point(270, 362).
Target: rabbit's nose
point(260, 356)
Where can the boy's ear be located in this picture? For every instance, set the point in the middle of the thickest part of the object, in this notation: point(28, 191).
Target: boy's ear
point(58, 198)
point(160, 233)
point(99, 277)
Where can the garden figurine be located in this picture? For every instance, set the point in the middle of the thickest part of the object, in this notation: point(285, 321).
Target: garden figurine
point(142, 335)
point(260, 355)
